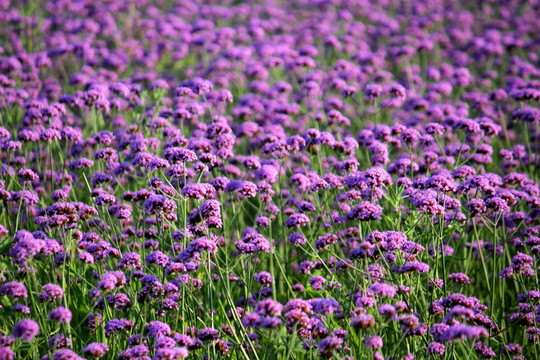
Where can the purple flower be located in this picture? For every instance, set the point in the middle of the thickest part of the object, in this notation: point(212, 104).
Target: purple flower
point(158, 204)
point(328, 345)
point(130, 261)
point(363, 321)
point(268, 307)
point(325, 306)
point(49, 135)
point(316, 282)
point(27, 175)
point(198, 191)
point(59, 341)
point(252, 242)
point(66, 354)
point(382, 289)
point(157, 257)
point(325, 241)
point(436, 348)
point(441, 183)
point(484, 350)
point(171, 353)
point(60, 314)
point(365, 211)
point(372, 91)
point(459, 278)
point(116, 325)
point(297, 220)
point(434, 129)
point(264, 278)
point(20, 308)
point(476, 207)
point(414, 266)
point(377, 177)
point(268, 173)
point(51, 293)
point(165, 342)
point(387, 310)
point(94, 320)
point(210, 208)
point(26, 329)
point(95, 349)
point(296, 239)
point(15, 289)
point(511, 349)
point(373, 342)
point(6, 353)
point(111, 280)
point(158, 84)
point(208, 334)
point(157, 329)
point(463, 332)
point(177, 154)
point(246, 189)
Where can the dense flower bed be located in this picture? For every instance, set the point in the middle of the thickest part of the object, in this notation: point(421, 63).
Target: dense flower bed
point(299, 179)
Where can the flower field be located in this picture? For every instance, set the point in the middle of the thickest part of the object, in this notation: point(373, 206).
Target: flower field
point(269, 180)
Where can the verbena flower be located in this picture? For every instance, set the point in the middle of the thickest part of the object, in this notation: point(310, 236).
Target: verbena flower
point(60, 314)
point(26, 329)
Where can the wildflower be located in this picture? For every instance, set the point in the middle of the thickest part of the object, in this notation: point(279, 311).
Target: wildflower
point(130, 261)
point(26, 329)
point(198, 191)
point(66, 354)
point(251, 243)
point(59, 341)
point(51, 293)
point(459, 278)
point(6, 353)
point(60, 314)
point(264, 278)
point(316, 282)
point(296, 239)
point(95, 349)
point(328, 345)
point(157, 329)
point(463, 332)
point(436, 348)
point(484, 350)
point(14, 289)
point(383, 289)
point(363, 321)
point(373, 342)
point(365, 211)
point(157, 204)
point(414, 266)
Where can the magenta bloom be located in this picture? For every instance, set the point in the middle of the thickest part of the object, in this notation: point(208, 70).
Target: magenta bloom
point(61, 314)
point(365, 211)
point(328, 345)
point(296, 239)
point(157, 329)
point(96, 350)
point(14, 289)
point(297, 220)
point(51, 293)
point(66, 354)
point(157, 204)
point(373, 342)
point(6, 353)
point(459, 278)
point(251, 243)
point(26, 329)
point(436, 348)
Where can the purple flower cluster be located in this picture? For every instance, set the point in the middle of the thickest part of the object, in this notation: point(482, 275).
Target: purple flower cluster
point(213, 179)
